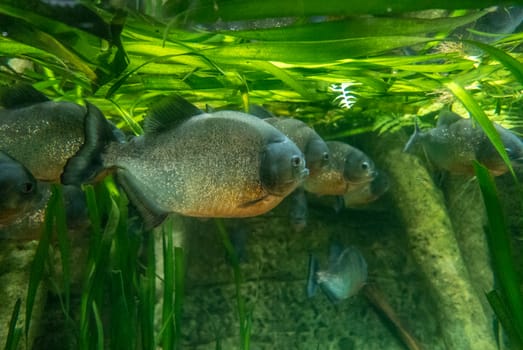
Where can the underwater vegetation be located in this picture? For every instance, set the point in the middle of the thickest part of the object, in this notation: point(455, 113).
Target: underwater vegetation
point(122, 120)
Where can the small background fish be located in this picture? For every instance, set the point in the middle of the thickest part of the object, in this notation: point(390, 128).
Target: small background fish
point(345, 275)
point(455, 142)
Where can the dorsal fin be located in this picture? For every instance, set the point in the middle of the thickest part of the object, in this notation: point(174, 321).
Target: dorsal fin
point(260, 112)
point(169, 112)
point(413, 138)
point(209, 108)
point(447, 117)
point(20, 95)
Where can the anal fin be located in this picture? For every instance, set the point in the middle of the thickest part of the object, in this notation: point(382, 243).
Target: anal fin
point(151, 213)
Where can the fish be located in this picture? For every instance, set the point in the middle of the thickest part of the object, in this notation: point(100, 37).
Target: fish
point(53, 140)
point(19, 190)
point(367, 193)
point(308, 141)
point(497, 24)
point(455, 142)
point(224, 164)
point(345, 275)
point(348, 168)
point(28, 224)
point(299, 210)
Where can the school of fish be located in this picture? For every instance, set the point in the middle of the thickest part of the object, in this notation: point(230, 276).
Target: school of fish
point(214, 164)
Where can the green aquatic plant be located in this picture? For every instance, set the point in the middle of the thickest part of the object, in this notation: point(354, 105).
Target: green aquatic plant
point(173, 290)
point(150, 56)
point(117, 301)
point(15, 333)
point(54, 219)
point(244, 313)
point(506, 300)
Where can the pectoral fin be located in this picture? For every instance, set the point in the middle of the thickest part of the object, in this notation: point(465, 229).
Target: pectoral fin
point(253, 202)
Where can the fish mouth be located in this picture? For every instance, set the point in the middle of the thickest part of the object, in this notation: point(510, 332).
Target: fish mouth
point(370, 177)
point(298, 179)
point(303, 173)
point(291, 183)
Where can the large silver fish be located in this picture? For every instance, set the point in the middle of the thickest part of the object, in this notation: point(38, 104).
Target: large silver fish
point(343, 278)
point(18, 189)
point(348, 168)
point(50, 137)
point(455, 142)
point(221, 164)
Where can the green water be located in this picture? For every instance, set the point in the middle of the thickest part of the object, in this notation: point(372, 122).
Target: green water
point(360, 73)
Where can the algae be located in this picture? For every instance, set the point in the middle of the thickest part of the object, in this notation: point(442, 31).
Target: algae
point(433, 245)
point(467, 213)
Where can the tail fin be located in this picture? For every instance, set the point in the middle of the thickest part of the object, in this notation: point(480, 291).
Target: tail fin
point(311, 278)
point(87, 163)
point(413, 138)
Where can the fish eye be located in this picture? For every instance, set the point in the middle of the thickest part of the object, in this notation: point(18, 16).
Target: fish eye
point(365, 165)
point(27, 187)
point(295, 161)
point(325, 156)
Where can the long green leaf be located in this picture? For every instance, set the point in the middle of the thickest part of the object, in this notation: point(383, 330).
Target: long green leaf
point(14, 334)
point(179, 287)
point(248, 9)
point(505, 318)
point(99, 327)
point(39, 261)
point(94, 289)
point(356, 27)
point(48, 43)
point(311, 51)
point(126, 76)
point(148, 297)
point(286, 77)
point(498, 239)
point(243, 315)
point(64, 245)
point(480, 116)
point(168, 333)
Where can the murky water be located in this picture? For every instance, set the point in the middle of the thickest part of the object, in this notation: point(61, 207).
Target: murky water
point(361, 79)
